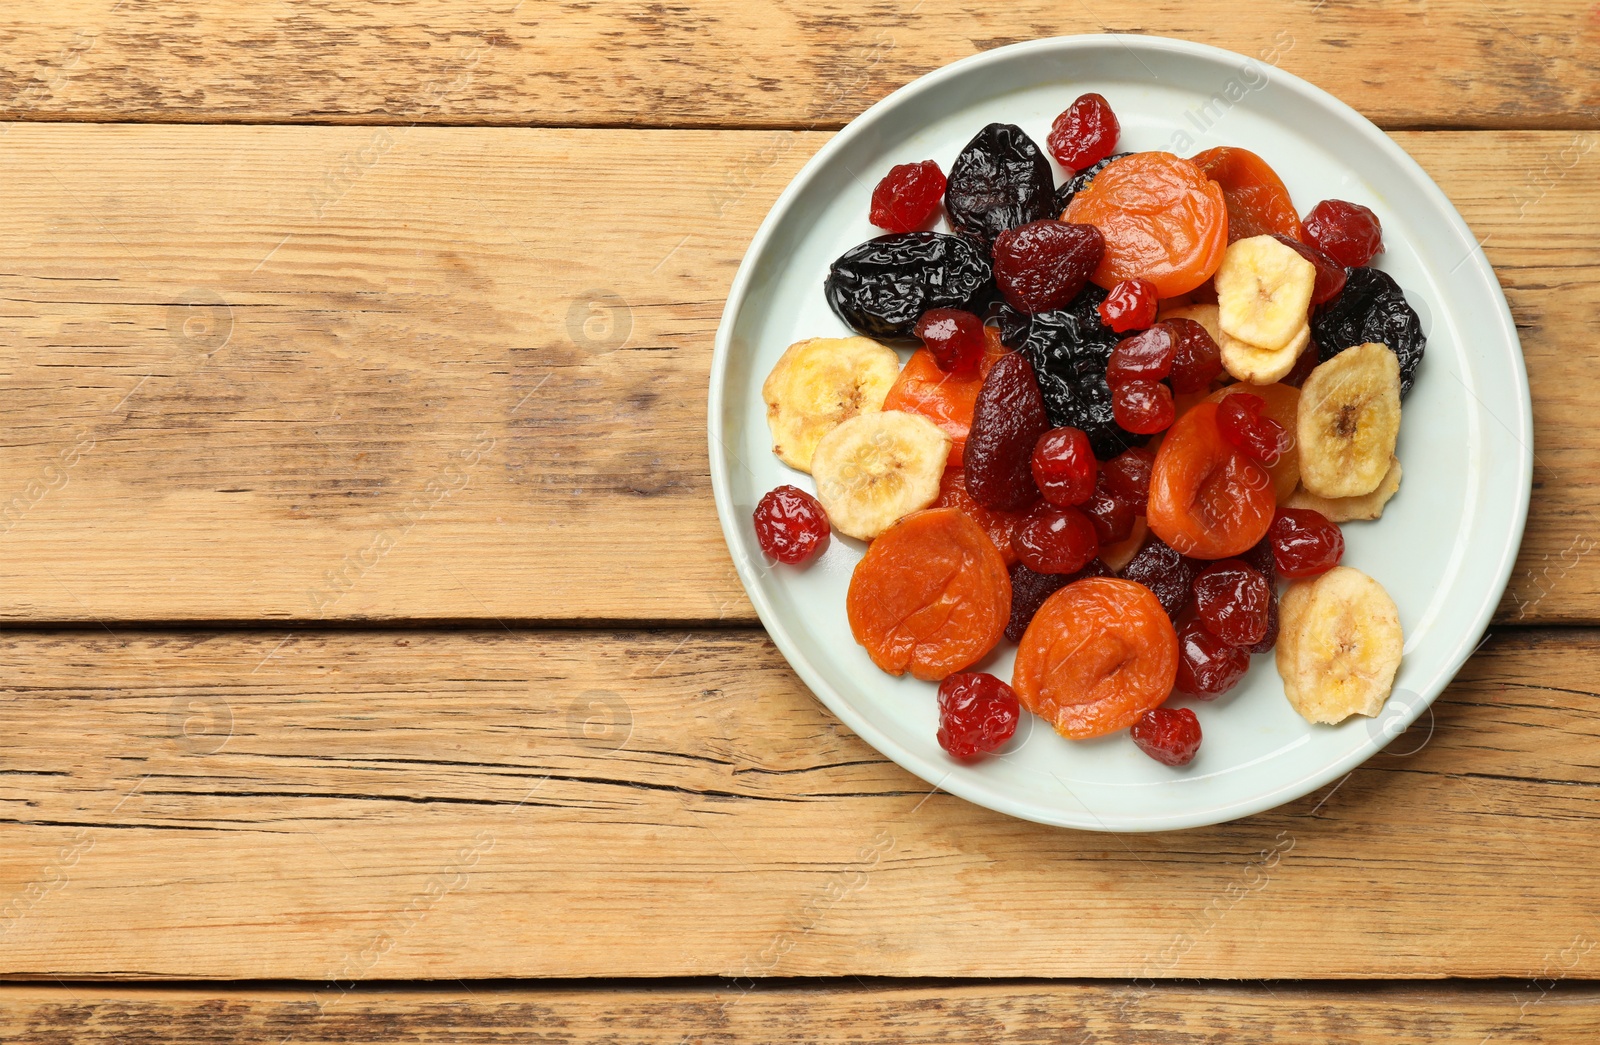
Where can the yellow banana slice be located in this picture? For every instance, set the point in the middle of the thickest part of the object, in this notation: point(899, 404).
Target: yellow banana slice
point(1262, 366)
point(875, 469)
point(1263, 292)
point(1339, 645)
point(819, 383)
point(1350, 509)
point(1348, 422)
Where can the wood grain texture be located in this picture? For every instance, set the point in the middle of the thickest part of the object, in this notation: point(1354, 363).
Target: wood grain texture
point(339, 808)
point(345, 373)
point(740, 63)
point(946, 1014)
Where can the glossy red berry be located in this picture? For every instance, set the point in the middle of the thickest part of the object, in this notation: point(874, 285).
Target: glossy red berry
point(1085, 134)
point(1146, 356)
point(1111, 513)
point(906, 198)
point(1171, 736)
point(1304, 542)
point(954, 337)
point(1233, 602)
point(1055, 540)
point(1064, 466)
point(791, 525)
point(1208, 666)
point(1196, 359)
point(1330, 274)
point(1244, 426)
point(1143, 407)
point(1041, 266)
point(977, 713)
point(1128, 476)
point(1131, 305)
point(1347, 232)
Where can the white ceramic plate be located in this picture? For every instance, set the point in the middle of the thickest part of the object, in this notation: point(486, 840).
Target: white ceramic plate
point(1443, 549)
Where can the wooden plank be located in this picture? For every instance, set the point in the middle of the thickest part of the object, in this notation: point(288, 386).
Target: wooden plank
point(340, 373)
point(740, 63)
point(1025, 1014)
point(340, 808)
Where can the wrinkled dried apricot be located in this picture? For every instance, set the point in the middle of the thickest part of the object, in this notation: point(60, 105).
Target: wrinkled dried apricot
point(1258, 203)
point(1207, 499)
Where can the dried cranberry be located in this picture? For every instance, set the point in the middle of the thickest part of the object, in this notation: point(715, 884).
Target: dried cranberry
point(1159, 567)
point(1055, 540)
point(1030, 589)
point(1196, 360)
point(1259, 558)
point(1007, 421)
point(955, 338)
point(790, 525)
point(1064, 466)
point(1171, 736)
point(1143, 407)
point(1347, 232)
point(1112, 514)
point(1084, 134)
point(1042, 265)
point(977, 713)
point(1131, 305)
point(1146, 356)
point(1207, 665)
point(1304, 542)
point(1000, 180)
point(1330, 274)
point(1232, 600)
point(907, 196)
point(1128, 476)
point(1242, 424)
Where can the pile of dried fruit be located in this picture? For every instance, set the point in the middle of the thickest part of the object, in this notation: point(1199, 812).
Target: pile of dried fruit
point(1140, 399)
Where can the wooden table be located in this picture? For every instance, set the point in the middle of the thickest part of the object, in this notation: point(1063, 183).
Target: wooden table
point(369, 636)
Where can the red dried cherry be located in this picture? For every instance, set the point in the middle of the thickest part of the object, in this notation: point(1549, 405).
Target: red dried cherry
point(1064, 466)
point(1171, 736)
point(1055, 540)
point(1347, 232)
point(1143, 407)
point(1233, 601)
point(1041, 266)
point(790, 525)
point(1243, 425)
point(977, 713)
point(1128, 476)
point(1208, 666)
point(1131, 305)
point(907, 196)
point(1111, 513)
point(1084, 134)
point(1007, 420)
point(1259, 558)
point(1304, 542)
point(1330, 274)
point(954, 337)
point(1196, 359)
point(1146, 356)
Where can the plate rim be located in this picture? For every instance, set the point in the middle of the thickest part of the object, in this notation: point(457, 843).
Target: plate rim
point(883, 743)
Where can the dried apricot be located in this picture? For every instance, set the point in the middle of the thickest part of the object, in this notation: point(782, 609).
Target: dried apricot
point(1258, 203)
point(1162, 219)
point(1207, 499)
point(931, 596)
point(943, 398)
point(1098, 654)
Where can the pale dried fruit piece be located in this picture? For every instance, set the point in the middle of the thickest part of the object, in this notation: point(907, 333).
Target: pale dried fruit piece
point(1264, 292)
point(1339, 645)
point(1262, 366)
point(875, 469)
point(1348, 422)
point(818, 384)
point(1204, 314)
point(1350, 509)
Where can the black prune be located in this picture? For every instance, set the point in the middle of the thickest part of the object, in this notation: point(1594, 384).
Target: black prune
point(1159, 567)
point(1029, 590)
point(1007, 420)
point(1000, 180)
point(1076, 183)
point(882, 286)
point(1372, 307)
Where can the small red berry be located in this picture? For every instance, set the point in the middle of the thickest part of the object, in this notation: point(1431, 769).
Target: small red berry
point(1207, 665)
point(954, 337)
point(1131, 305)
point(1146, 356)
point(1111, 513)
point(1347, 232)
point(1171, 736)
point(1242, 424)
point(791, 525)
point(1304, 542)
point(1196, 360)
point(977, 713)
point(1330, 274)
point(1064, 466)
point(1128, 475)
point(907, 196)
point(1143, 407)
point(1233, 602)
point(1085, 134)
point(1055, 540)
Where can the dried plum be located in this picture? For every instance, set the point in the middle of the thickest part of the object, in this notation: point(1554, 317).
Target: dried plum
point(1076, 183)
point(1007, 421)
point(882, 286)
point(1000, 180)
point(1159, 567)
point(1371, 307)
